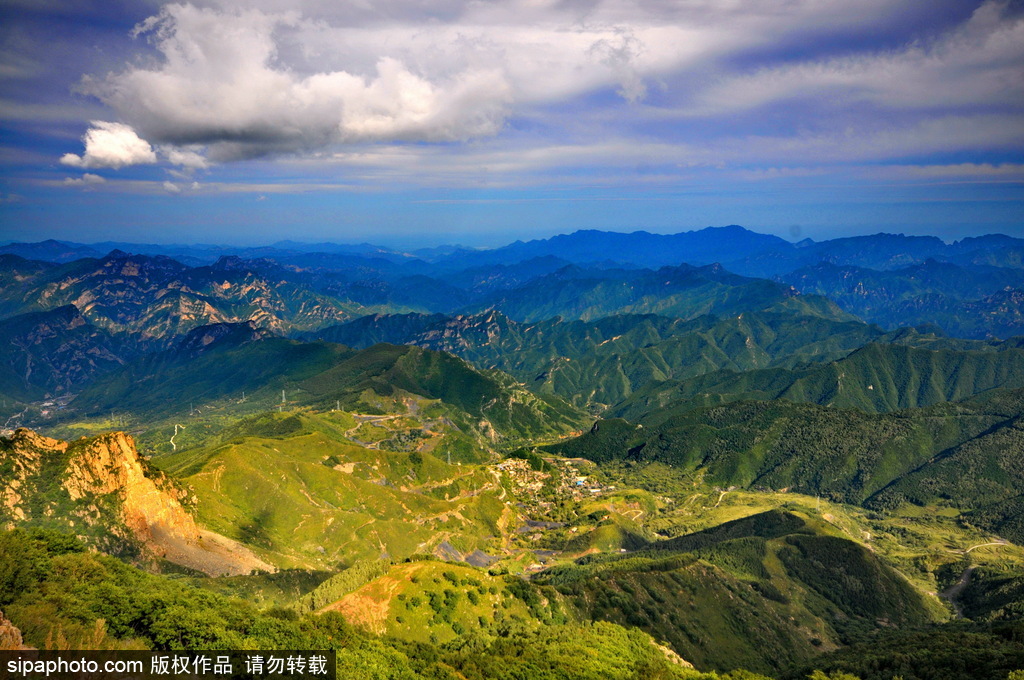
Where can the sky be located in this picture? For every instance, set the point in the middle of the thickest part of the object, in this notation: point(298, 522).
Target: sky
point(408, 122)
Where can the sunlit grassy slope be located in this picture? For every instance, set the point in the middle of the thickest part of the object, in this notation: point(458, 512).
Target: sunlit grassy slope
point(306, 498)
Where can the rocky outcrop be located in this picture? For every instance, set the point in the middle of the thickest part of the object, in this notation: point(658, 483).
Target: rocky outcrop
point(10, 636)
point(110, 465)
point(23, 460)
point(100, 489)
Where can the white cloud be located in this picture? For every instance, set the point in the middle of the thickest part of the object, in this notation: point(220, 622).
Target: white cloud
point(365, 84)
point(963, 171)
point(221, 85)
point(979, 64)
point(111, 145)
point(245, 83)
point(192, 159)
point(171, 187)
point(880, 141)
point(674, 163)
point(85, 180)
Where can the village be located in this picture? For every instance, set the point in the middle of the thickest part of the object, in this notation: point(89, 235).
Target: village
point(544, 496)
point(563, 480)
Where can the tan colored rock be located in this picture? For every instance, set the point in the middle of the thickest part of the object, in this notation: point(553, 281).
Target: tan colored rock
point(109, 464)
point(10, 636)
point(30, 448)
point(149, 505)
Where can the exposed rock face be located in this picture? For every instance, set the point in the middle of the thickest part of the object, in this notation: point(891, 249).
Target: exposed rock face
point(21, 464)
point(10, 636)
point(100, 489)
point(109, 464)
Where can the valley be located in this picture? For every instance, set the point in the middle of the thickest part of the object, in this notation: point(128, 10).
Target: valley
point(532, 461)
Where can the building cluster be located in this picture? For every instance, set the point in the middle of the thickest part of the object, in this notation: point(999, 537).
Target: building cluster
point(573, 483)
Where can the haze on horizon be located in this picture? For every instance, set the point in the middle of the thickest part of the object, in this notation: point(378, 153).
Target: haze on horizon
point(463, 122)
point(409, 243)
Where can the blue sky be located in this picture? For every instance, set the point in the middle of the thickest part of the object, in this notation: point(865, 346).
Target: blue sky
point(410, 122)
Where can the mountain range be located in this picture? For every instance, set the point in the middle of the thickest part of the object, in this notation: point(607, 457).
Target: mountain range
point(969, 288)
point(707, 455)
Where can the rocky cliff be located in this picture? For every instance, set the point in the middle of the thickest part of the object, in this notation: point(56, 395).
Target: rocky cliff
point(100, 489)
point(109, 465)
point(10, 636)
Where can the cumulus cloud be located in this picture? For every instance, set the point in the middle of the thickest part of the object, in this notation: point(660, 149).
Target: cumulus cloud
point(242, 83)
point(172, 188)
point(366, 83)
point(111, 145)
point(221, 85)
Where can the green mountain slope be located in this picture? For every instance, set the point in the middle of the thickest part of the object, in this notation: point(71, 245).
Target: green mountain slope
point(161, 384)
point(684, 291)
point(49, 353)
point(760, 593)
point(59, 594)
point(951, 652)
point(964, 453)
point(985, 470)
point(1004, 517)
point(601, 362)
point(321, 376)
point(489, 395)
point(875, 378)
